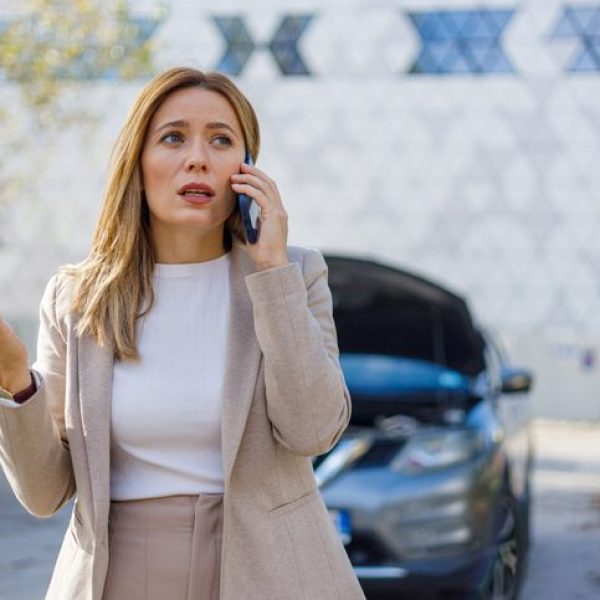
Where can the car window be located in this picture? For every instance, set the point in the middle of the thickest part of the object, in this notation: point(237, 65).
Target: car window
point(494, 360)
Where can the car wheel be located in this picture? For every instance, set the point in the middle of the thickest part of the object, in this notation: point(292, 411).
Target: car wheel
point(504, 576)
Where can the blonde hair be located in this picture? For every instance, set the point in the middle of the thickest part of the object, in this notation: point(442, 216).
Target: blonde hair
point(113, 285)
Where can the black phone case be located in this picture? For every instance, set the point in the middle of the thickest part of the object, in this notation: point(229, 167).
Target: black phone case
point(245, 204)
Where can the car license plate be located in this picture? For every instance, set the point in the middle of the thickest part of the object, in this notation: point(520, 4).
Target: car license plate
point(341, 520)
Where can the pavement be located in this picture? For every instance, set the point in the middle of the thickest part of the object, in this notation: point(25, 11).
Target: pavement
point(28, 547)
point(564, 562)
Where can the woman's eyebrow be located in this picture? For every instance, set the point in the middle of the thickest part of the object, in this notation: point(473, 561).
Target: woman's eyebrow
point(184, 123)
point(177, 123)
point(219, 125)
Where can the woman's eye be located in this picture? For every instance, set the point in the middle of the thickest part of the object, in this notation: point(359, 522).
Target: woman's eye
point(222, 140)
point(171, 138)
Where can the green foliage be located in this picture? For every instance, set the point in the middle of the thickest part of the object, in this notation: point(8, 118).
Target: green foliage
point(54, 41)
point(49, 51)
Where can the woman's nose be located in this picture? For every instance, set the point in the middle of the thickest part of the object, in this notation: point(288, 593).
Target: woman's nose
point(197, 158)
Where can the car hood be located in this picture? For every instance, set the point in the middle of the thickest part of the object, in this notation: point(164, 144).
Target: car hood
point(385, 311)
point(407, 345)
point(370, 374)
point(385, 386)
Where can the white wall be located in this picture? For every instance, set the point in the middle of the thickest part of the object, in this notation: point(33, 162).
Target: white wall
point(486, 183)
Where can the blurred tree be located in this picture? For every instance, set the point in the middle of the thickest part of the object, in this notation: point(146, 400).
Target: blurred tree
point(56, 40)
point(48, 47)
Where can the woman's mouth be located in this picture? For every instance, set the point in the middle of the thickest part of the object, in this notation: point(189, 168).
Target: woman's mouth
point(196, 198)
point(196, 193)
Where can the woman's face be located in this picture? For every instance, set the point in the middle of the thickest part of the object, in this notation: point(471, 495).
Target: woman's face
point(193, 145)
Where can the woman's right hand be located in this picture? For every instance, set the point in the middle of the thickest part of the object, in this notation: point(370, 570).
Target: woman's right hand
point(14, 368)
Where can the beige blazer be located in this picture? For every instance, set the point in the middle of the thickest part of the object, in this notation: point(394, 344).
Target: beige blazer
point(284, 401)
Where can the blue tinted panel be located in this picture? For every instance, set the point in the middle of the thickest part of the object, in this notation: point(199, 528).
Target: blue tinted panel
point(502, 65)
point(477, 52)
point(565, 27)
point(498, 20)
point(284, 45)
point(439, 51)
point(583, 19)
point(460, 64)
point(239, 44)
point(447, 26)
point(426, 63)
point(288, 60)
point(233, 29)
point(476, 27)
point(292, 28)
point(585, 61)
point(419, 21)
point(582, 23)
point(430, 26)
point(460, 41)
point(496, 62)
point(232, 62)
point(595, 24)
point(454, 61)
point(225, 24)
point(458, 20)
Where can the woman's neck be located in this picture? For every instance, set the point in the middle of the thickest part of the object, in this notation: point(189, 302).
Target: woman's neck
point(180, 247)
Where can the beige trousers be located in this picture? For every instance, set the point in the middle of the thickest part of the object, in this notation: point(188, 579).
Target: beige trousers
point(165, 548)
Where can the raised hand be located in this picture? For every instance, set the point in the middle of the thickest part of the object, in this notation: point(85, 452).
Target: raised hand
point(271, 248)
point(14, 369)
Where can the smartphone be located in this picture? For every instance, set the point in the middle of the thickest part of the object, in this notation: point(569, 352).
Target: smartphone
point(250, 210)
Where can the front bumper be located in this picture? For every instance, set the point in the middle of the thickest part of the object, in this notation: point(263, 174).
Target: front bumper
point(427, 534)
point(428, 578)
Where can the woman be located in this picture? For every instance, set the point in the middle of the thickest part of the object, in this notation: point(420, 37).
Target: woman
point(184, 377)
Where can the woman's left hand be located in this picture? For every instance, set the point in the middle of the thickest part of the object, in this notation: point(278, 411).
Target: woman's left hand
point(270, 249)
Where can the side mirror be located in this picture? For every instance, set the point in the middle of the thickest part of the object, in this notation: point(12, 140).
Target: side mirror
point(516, 381)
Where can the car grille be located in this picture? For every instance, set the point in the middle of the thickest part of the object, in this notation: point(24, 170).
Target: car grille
point(380, 454)
point(366, 550)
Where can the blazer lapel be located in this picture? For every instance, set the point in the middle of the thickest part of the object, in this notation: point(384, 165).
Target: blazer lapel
point(95, 394)
point(95, 368)
point(243, 358)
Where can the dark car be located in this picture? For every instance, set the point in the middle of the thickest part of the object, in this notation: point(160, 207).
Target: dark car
point(430, 485)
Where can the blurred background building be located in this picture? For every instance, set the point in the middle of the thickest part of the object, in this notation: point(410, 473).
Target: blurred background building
point(458, 139)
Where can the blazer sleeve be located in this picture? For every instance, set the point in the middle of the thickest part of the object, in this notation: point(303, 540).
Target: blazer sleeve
point(34, 450)
point(308, 402)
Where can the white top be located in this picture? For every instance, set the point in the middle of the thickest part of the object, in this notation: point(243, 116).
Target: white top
point(166, 409)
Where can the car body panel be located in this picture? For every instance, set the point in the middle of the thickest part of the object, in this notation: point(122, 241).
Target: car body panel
point(439, 432)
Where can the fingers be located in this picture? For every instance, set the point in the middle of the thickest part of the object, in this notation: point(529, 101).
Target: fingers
point(272, 244)
point(8, 336)
point(13, 358)
point(267, 206)
point(259, 181)
point(6, 330)
point(252, 170)
point(253, 192)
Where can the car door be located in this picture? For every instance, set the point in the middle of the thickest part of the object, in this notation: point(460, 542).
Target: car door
point(513, 410)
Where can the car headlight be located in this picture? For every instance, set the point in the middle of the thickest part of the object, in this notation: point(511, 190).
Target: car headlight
point(438, 449)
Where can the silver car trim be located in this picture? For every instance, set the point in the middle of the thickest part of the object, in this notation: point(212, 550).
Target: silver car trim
point(380, 572)
point(345, 453)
